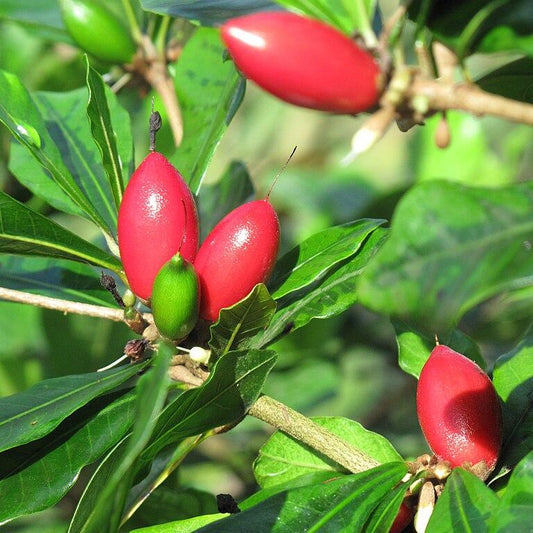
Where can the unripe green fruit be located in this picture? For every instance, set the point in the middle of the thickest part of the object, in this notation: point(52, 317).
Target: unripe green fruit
point(175, 298)
point(96, 29)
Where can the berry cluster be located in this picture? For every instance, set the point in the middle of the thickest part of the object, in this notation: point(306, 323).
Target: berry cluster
point(158, 235)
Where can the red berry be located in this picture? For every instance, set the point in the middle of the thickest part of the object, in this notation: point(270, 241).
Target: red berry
point(157, 217)
point(238, 254)
point(303, 61)
point(403, 518)
point(458, 409)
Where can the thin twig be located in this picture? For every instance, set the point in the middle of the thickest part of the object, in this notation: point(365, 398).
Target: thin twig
point(467, 97)
point(317, 437)
point(66, 306)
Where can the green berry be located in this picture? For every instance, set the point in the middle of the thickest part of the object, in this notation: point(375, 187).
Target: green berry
point(175, 298)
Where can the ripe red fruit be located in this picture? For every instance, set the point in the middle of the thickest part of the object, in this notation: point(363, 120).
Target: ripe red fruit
point(157, 216)
point(238, 254)
point(303, 61)
point(458, 409)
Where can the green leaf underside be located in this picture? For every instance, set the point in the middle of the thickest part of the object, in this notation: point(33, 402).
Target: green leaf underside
point(283, 458)
point(233, 385)
point(31, 414)
point(341, 504)
point(24, 120)
point(54, 462)
point(210, 91)
point(238, 323)
point(450, 247)
point(310, 260)
point(103, 131)
point(203, 11)
point(465, 505)
point(25, 232)
point(330, 296)
point(55, 278)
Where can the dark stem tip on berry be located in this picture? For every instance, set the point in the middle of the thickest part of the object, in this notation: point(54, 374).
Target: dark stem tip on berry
point(155, 126)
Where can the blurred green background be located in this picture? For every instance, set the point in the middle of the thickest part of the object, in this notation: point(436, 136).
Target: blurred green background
point(344, 366)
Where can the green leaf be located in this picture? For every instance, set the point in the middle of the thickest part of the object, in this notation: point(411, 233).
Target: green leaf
point(209, 91)
point(25, 121)
point(414, 347)
point(513, 80)
point(205, 11)
point(342, 504)
point(25, 232)
point(310, 260)
point(513, 380)
point(55, 278)
point(31, 414)
point(385, 513)
point(106, 512)
point(465, 505)
point(98, 110)
point(450, 248)
point(46, 469)
point(478, 25)
point(330, 296)
point(216, 201)
point(44, 18)
point(348, 16)
point(240, 322)
point(283, 458)
point(182, 526)
point(516, 507)
point(233, 386)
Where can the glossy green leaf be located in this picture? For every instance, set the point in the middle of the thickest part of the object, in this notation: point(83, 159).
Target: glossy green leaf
point(450, 248)
point(215, 201)
point(44, 470)
point(385, 513)
point(414, 347)
point(513, 80)
point(56, 278)
point(235, 382)
point(34, 413)
point(25, 121)
point(330, 296)
point(516, 507)
point(478, 25)
point(240, 322)
point(209, 91)
point(106, 511)
point(103, 131)
point(342, 504)
point(25, 232)
point(310, 260)
point(207, 12)
point(465, 505)
point(283, 458)
point(513, 380)
point(182, 526)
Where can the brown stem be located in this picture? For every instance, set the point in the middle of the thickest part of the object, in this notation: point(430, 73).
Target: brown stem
point(317, 437)
point(466, 97)
point(66, 306)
